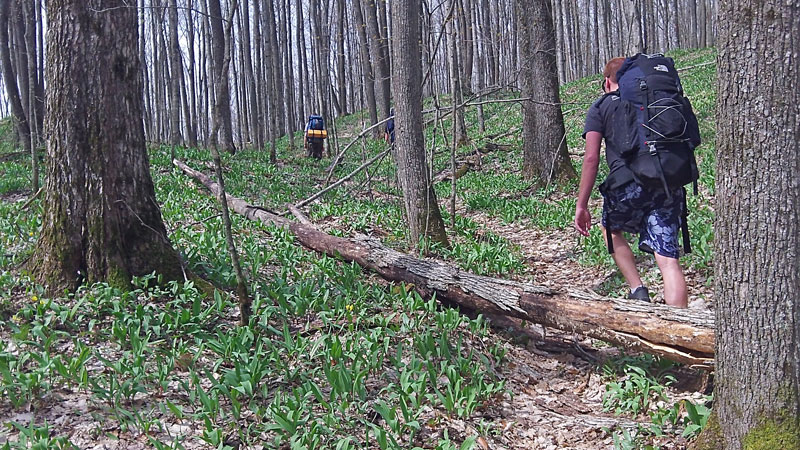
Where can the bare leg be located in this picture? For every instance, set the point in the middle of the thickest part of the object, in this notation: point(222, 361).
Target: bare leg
point(674, 284)
point(623, 256)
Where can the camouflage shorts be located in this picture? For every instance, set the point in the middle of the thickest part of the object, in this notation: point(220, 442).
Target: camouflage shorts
point(654, 215)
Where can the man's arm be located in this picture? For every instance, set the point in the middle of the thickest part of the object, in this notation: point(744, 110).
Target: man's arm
point(591, 160)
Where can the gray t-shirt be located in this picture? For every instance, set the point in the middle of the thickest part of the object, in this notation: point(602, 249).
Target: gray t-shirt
point(608, 116)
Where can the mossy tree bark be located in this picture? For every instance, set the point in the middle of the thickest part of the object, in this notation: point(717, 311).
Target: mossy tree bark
point(101, 220)
point(757, 230)
point(422, 208)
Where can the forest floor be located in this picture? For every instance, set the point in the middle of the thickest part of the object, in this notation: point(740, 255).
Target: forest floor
point(554, 381)
point(164, 369)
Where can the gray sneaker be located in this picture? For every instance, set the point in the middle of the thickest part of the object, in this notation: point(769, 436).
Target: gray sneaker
point(640, 293)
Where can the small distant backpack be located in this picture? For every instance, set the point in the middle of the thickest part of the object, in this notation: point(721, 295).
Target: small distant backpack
point(659, 129)
point(316, 127)
point(317, 123)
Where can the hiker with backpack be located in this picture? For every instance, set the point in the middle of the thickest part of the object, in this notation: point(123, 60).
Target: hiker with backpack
point(388, 135)
point(314, 136)
point(650, 133)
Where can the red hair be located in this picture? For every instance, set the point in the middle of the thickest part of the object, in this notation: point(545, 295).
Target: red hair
point(612, 66)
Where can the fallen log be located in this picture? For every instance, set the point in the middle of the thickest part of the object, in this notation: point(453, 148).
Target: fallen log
point(685, 336)
point(470, 161)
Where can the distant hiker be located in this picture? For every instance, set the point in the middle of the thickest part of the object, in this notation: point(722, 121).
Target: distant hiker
point(650, 133)
point(314, 136)
point(388, 135)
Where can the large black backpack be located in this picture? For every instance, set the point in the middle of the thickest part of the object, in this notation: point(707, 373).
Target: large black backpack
point(659, 132)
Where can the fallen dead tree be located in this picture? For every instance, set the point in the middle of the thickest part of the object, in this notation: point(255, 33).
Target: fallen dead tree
point(681, 335)
point(470, 161)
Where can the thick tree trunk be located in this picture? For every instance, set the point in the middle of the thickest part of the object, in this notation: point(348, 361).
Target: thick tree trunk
point(678, 334)
point(101, 220)
point(544, 145)
point(757, 229)
point(422, 209)
point(222, 103)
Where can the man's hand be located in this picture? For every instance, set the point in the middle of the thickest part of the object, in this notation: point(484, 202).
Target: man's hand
point(583, 221)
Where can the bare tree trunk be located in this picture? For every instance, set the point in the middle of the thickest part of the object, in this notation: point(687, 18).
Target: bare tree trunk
point(757, 275)
point(192, 125)
point(148, 106)
point(251, 97)
point(270, 73)
point(303, 62)
point(422, 208)
point(222, 102)
point(285, 45)
point(33, 82)
point(467, 36)
point(176, 73)
point(380, 64)
point(703, 17)
point(340, 68)
point(366, 64)
point(245, 302)
point(544, 145)
point(101, 220)
point(10, 80)
point(459, 127)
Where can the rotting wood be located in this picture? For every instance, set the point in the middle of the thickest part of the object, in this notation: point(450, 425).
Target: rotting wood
point(681, 335)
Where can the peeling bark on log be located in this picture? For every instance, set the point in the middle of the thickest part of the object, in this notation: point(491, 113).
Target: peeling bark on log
point(681, 335)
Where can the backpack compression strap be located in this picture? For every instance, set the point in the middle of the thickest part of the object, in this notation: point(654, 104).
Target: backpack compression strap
point(687, 245)
point(647, 98)
point(609, 242)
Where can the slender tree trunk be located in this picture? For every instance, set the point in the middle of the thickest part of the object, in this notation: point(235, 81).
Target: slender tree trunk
point(191, 82)
point(302, 62)
point(10, 79)
point(459, 127)
point(340, 51)
point(366, 63)
point(703, 17)
point(176, 73)
point(249, 75)
point(466, 38)
point(279, 96)
point(148, 104)
point(380, 65)
point(33, 83)
point(285, 45)
point(422, 209)
point(222, 101)
point(101, 220)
